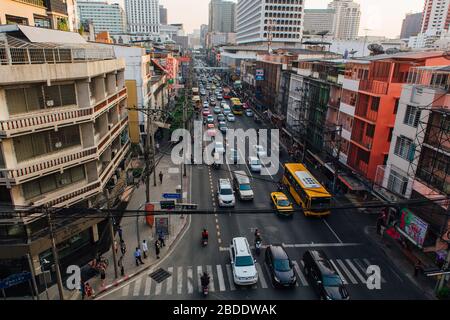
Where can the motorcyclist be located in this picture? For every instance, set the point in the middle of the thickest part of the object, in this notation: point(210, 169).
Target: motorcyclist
point(257, 236)
point(205, 234)
point(205, 279)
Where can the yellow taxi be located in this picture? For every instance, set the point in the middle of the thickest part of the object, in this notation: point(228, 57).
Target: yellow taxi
point(281, 203)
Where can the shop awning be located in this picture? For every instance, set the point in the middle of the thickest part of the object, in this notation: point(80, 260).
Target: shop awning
point(351, 182)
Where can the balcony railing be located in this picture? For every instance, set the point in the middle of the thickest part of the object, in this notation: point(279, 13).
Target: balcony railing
point(72, 196)
point(111, 135)
point(48, 118)
point(364, 111)
point(38, 3)
point(106, 174)
point(373, 86)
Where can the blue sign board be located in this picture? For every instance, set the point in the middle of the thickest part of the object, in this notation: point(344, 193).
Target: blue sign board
point(171, 195)
point(259, 76)
point(14, 279)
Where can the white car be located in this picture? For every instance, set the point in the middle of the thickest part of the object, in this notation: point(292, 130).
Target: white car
point(225, 193)
point(226, 110)
point(242, 262)
point(205, 104)
point(255, 164)
point(260, 151)
point(218, 147)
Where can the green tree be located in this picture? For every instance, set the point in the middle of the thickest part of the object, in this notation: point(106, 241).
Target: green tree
point(63, 25)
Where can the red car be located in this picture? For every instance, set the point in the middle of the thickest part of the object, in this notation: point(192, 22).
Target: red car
point(246, 106)
point(205, 112)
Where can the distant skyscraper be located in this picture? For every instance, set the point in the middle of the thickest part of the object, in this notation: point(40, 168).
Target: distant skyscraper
point(203, 32)
point(319, 20)
point(411, 25)
point(436, 15)
point(347, 19)
point(142, 16)
point(222, 16)
point(104, 16)
point(162, 15)
point(258, 22)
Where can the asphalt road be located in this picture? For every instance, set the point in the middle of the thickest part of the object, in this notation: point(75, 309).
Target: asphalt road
point(341, 235)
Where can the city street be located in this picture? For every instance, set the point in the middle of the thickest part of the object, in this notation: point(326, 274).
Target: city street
point(341, 236)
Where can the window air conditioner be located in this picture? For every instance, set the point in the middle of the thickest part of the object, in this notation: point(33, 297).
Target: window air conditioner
point(50, 103)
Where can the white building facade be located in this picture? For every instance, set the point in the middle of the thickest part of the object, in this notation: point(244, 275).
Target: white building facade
point(104, 16)
point(142, 16)
point(275, 21)
point(347, 19)
point(319, 20)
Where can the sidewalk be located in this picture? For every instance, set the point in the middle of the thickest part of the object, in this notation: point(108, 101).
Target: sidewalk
point(130, 224)
point(396, 255)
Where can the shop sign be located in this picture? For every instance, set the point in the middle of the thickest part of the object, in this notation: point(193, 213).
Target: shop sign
point(259, 74)
point(414, 227)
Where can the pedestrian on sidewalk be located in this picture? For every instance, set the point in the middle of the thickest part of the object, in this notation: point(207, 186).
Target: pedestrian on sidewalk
point(157, 248)
point(123, 247)
point(161, 239)
point(161, 177)
point(119, 231)
point(138, 257)
point(102, 276)
point(116, 246)
point(144, 248)
point(88, 289)
point(120, 264)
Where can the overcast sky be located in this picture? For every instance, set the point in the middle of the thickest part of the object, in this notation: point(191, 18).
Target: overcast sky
point(382, 17)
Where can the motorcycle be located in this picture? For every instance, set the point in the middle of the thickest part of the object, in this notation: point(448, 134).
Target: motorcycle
point(205, 290)
point(258, 247)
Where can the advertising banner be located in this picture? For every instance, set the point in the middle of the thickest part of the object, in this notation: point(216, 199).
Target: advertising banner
point(414, 227)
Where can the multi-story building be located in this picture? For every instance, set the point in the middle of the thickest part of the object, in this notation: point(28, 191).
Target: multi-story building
point(412, 25)
point(370, 97)
point(319, 20)
point(64, 139)
point(222, 16)
point(104, 16)
point(203, 32)
point(274, 21)
point(142, 16)
point(436, 15)
point(347, 19)
point(50, 14)
point(162, 15)
point(214, 39)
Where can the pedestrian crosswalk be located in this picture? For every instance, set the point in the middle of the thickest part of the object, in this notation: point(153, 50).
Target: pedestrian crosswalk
point(186, 279)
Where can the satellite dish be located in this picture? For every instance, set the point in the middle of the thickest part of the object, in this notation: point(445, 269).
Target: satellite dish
point(375, 48)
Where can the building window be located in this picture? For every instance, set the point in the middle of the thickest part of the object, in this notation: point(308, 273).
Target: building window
point(412, 116)
point(404, 148)
point(16, 20)
point(397, 101)
point(42, 22)
point(397, 182)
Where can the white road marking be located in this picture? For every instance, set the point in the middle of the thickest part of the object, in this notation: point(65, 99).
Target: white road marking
point(220, 278)
point(137, 287)
point(199, 275)
point(169, 281)
point(346, 271)
point(306, 245)
point(125, 290)
point(339, 272)
point(179, 279)
point(355, 270)
point(190, 280)
point(148, 286)
point(367, 262)
point(261, 278)
point(334, 233)
point(230, 277)
point(211, 278)
point(158, 288)
point(300, 274)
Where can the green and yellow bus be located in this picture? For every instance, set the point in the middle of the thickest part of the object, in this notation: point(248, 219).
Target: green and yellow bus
point(236, 106)
point(306, 190)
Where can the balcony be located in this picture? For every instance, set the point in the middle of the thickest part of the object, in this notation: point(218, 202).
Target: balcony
point(37, 3)
point(42, 120)
point(347, 109)
point(350, 84)
point(366, 113)
point(111, 135)
point(374, 87)
point(108, 171)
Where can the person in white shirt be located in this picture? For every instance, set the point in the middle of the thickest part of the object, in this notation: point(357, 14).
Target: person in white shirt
point(144, 248)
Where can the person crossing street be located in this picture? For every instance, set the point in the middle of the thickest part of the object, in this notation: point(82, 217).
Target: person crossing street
point(138, 257)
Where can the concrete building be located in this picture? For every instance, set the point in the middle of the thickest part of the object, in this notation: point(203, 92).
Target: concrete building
point(214, 39)
point(104, 16)
point(162, 15)
point(319, 20)
point(50, 14)
point(274, 21)
point(64, 139)
point(412, 25)
point(436, 15)
point(347, 19)
point(221, 16)
point(142, 16)
point(203, 32)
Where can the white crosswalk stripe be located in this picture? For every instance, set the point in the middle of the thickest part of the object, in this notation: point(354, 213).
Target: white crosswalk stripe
point(368, 263)
point(346, 271)
point(199, 276)
point(148, 286)
point(261, 278)
point(190, 281)
point(339, 272)
point(360, 277)
point(137, 287)
point(211, 278)
point(300, 273)
point(158, 288)
point(169, 281)
point(230, 277)
point(220, 278)
point(125, 291)
point(179, 279)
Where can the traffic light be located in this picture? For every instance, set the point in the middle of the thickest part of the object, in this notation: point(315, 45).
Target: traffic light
point(167, 204)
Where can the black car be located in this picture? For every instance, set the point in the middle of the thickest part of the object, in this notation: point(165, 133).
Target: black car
point(323, 276)
point(280, 266)
point(220, 117)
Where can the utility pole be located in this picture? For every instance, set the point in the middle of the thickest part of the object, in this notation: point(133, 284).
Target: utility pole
point(111, 231)
point(55, 255)
point(336, 171)
point(33, 275)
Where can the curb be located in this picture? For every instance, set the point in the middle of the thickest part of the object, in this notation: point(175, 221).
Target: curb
point(130, 276)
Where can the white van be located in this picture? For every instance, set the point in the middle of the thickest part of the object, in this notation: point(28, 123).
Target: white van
point(242, 262)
